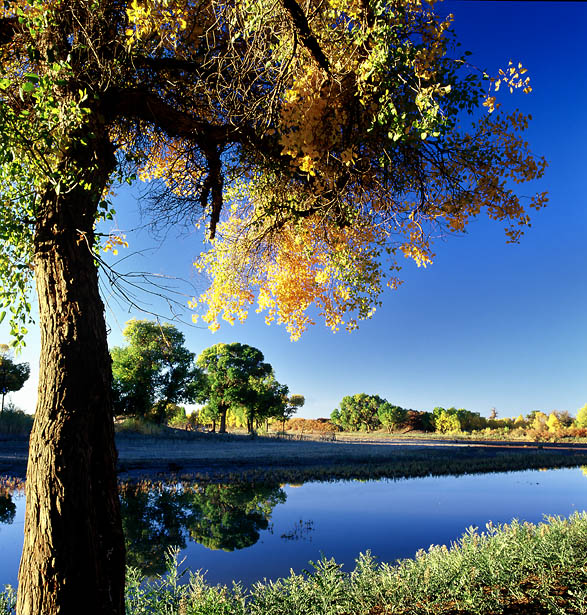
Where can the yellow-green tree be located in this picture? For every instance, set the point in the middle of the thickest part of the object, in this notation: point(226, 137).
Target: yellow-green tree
point(581, 419)
point(335, 132)
point(553, 422)
point(539, 421)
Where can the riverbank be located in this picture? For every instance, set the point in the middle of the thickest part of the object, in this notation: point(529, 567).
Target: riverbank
point(518, 568)
point(215, 457)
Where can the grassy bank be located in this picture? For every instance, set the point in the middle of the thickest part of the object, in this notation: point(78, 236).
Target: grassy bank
point(517, 568)
point(212, 457)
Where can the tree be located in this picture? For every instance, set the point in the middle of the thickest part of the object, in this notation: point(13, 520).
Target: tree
point(12, 375)
point(267, 399)
point(228, 370)
point(539, 420)
point(358, 412)
point(553, 422)
point(564, 417)
point(332, 130)
point(447, 421)
point(391, 416)
point(153, 371)
point(581, 419)
point(291, 406)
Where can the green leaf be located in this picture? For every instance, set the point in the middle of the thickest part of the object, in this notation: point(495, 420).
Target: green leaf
point(2, 315)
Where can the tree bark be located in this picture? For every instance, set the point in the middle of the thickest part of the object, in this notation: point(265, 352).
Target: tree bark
point(222, 428)
point(73, 555)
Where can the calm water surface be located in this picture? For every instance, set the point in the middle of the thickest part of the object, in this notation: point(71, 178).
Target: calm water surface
point(246, 533)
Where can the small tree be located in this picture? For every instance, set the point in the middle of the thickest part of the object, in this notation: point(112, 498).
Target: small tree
point(359, 412)
point(12, 375)
point(581, 420)
point(447, 422)
point(539, 421)
point(553, 422)
point(391, 416)
point(293, 402)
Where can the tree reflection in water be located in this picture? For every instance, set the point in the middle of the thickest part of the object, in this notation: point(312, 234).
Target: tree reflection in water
point(7, 508)
point(8, 488)
point(157, 516)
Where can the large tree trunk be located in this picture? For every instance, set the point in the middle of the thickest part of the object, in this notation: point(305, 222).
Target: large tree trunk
point(73, 554)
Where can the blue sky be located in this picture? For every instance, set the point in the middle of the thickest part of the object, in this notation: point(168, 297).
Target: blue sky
point(489, 324)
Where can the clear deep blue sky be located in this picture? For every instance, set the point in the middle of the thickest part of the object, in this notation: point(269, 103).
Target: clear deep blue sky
point(489, 324)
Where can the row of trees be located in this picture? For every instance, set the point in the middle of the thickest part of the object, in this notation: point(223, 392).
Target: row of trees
point(155, 372)
point(363, 412)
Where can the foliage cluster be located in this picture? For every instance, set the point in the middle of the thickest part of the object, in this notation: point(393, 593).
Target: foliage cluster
point(363, 412)
point(12, 375)
point(374, 163)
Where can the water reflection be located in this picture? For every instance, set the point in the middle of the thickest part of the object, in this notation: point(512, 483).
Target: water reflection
point(7, 508)
point(338, 519)
point(9, 487)
point(157, 516)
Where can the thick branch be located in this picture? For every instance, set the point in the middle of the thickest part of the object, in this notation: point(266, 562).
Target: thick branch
point(7, 29)
point(146, 106)
point(302, 28)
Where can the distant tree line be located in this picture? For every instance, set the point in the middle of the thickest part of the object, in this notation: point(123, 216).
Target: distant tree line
point(232, 383)
point(362, 412)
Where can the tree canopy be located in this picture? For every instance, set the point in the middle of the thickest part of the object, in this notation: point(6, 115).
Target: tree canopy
point(233, 377)
point(154, 370)
point(358, 412)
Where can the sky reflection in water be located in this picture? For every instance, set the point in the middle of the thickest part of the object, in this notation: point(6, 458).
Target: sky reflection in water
point(250, 533)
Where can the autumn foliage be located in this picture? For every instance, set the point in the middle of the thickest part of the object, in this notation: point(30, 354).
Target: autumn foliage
point(382, 145)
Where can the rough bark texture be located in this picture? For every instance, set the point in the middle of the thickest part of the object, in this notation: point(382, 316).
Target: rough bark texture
point(223, 411)
point(73, 554)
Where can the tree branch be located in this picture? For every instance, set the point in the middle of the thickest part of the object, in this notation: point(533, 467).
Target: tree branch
point(141, 105)
point(7, 29)
point(302, 28)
